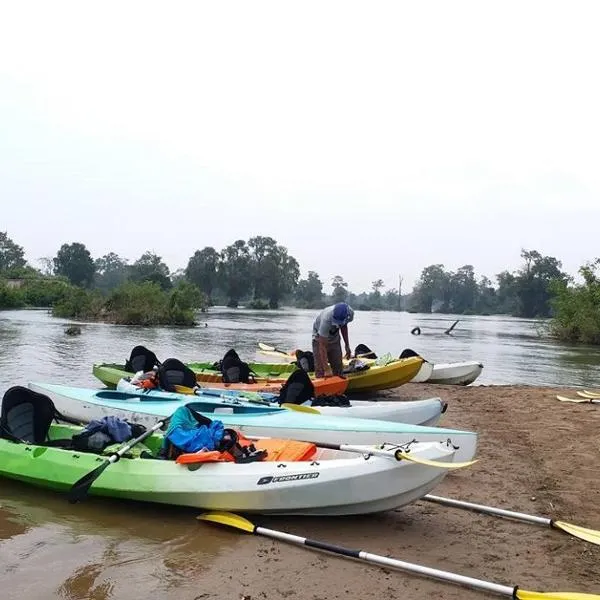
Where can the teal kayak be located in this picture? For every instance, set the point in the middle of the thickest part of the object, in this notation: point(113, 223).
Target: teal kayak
point(86, 404)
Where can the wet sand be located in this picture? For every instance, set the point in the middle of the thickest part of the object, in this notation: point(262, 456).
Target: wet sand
point(537, 455)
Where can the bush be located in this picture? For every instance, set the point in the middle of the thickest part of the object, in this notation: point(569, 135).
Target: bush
point(10, 297)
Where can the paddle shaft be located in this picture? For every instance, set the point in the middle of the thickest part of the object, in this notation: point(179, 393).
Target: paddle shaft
point(488, 586)
point(488, 509)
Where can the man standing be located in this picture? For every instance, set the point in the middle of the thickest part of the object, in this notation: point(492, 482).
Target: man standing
point(326, 342)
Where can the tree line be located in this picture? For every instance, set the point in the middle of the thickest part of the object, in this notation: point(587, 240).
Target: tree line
point(260, 273)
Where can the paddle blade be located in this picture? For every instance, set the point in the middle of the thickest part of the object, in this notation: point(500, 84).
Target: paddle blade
point(80, 488)
point(433, 463)
point(266, 347)
point(589, 535)
point(183, 389)
point(228, 519)
point(300, 408)
point(525, 595)
point(593, 394)
point(565, 399)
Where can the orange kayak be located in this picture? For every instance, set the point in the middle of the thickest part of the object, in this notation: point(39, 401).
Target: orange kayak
point(324, 386)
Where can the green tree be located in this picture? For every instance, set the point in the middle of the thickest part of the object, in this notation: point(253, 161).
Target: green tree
point(532, 284)
point(274, 272)
point(203, 270)
point(463, 290)
point(234, 272)
point(309, 292)
point(431, 287)
point(487, 300)
point(111, 271)
point(577, 309)
point(75, 263)
point(375, 299)
point(150, 267)
point(12, 256)
point(340, 289)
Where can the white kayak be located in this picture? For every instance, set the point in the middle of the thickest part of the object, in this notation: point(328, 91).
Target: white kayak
point(328, 482)
point(85, 404)
point(414, 412)
point(460, 373)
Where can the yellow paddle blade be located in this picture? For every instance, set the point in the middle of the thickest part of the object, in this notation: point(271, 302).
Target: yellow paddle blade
point(525, 595)
point(433, 463)
point(565, 399)
point(182, 389)
point(300, 408)
point(229, 519)
point(591, 393)
point(589, 535)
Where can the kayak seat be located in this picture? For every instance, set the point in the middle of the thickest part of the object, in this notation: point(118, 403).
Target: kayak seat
point(173, 372)
point(141, 359)
point(26, 416)
point(297, 389)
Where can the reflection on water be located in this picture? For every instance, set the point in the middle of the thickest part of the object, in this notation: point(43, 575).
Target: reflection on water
point(106, 549)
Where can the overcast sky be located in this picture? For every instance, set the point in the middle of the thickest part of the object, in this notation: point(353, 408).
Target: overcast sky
point(371, 139)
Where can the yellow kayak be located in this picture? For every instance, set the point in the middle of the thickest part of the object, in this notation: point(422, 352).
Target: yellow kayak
point(377, 377)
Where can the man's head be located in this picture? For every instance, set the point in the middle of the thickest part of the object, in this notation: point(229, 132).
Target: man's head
point(342, 314)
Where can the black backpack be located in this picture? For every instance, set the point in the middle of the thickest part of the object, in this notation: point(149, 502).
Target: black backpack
point(305, 360)
point(364, 351)
point(173, 372)
point(141, 359)
point(235, 370)
point(26, 416)
point(297, 389)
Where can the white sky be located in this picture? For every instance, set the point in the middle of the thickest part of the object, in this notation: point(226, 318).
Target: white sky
point(370, 139)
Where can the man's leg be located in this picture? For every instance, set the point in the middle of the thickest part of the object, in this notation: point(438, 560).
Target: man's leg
point(319, 368)
point(334, 356)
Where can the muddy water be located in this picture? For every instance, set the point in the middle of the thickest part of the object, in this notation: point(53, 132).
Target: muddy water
point(105, 549)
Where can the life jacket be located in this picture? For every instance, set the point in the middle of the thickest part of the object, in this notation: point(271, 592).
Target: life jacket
point(305, 360)
point(298, 388)
point(141, 359)
point(235, 370)
point(272, 450)
point(363, 351)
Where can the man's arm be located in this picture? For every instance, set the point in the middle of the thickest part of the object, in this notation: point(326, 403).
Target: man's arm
point(344, 332)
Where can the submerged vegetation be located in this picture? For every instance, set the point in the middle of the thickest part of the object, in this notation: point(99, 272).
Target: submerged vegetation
point(261, 274)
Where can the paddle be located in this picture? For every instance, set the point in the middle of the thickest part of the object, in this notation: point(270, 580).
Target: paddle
point(300, 408)
point(399, 454)
point(579, 400)
point(249, 396)
point(588, 395)
point(511, 591)
point(589, 535)
point(268, 348)
point(81, 487)
point(595, 394)
point(182, 389)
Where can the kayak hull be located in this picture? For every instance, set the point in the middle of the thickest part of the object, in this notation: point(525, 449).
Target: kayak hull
point(85, 404)
point(375, 378)
point(415, 412)
point(463, 373)
point(110, 374)
point(335, 483)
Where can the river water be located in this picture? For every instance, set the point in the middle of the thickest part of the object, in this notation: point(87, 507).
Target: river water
point(104, 549)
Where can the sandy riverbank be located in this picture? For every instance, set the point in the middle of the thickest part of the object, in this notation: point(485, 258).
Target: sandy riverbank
point(537, 455)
